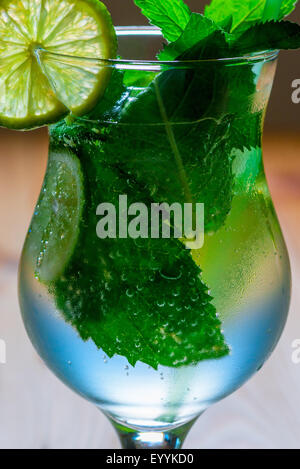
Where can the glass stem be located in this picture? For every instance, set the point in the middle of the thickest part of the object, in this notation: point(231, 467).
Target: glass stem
point(152, 439)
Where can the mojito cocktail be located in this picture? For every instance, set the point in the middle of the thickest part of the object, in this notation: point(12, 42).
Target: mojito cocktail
point(154, 279)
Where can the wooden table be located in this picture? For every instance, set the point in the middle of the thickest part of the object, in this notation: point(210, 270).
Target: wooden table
point(37, 411)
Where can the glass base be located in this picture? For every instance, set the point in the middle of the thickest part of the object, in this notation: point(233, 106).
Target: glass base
point(152, 439)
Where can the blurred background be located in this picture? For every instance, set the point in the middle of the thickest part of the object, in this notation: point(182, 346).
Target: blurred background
point(37, 411)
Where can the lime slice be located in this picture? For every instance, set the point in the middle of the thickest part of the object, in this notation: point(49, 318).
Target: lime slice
point(43, 75)
point(54, 228)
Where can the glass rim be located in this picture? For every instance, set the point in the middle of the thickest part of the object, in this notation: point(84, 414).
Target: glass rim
point(155, 64)
point(155, 31)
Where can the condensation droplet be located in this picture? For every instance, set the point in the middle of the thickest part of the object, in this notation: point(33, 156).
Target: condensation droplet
point(160, 304)
point(129, 293)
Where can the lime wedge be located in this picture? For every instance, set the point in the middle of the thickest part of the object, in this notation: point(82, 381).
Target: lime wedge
point(54, 228)
point(43, 73)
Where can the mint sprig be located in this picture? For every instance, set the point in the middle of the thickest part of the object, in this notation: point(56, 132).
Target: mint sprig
point(228, 29)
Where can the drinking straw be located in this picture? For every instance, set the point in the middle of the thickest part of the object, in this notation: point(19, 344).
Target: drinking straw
point(272, 10)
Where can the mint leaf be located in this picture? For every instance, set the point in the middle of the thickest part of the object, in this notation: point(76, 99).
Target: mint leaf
point(141, 299)
point(198, 28)
point(247, 12)
point(171, 16)
point(265, 36)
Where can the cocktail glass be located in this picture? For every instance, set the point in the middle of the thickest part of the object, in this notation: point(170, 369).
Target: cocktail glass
point(152, 332)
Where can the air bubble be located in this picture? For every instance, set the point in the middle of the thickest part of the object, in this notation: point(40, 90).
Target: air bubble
point(170, 277)
point(160, 304)
point(129, 293)
point(55, 206)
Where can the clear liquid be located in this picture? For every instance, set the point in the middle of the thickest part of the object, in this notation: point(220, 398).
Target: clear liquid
point(245, 263)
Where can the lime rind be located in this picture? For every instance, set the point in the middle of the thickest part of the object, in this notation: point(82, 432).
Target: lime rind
point(54, 229)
